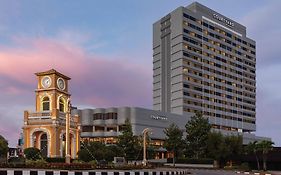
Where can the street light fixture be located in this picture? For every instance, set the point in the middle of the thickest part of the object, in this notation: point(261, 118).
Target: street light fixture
point(145, 132)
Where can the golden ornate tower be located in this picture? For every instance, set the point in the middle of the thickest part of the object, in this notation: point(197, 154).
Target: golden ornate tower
point(45, 128)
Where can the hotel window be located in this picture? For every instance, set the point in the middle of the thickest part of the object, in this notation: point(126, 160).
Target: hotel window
point(111, 116)
point(99, 128)
point(46, 104)
point(111, 129)
point(98, 116)
point(87, 128)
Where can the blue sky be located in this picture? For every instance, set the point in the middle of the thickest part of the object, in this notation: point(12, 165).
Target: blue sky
point(96, 40)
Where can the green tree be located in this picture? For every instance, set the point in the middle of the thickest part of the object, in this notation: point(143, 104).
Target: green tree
point(252, 148)
point(129, 143)
point(223, 148)
point(215, 147)
point(32, 153)
point(197, 130)
point(98, 151)
point(112, 151)
point(173, 141)
point(265, 146)
point(3, 147)
point(88, 152)
point(234, 147)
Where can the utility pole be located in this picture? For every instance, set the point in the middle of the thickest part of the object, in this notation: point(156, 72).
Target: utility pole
point(67, 123)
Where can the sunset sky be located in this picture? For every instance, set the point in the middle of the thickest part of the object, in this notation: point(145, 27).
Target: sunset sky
point(105, 46)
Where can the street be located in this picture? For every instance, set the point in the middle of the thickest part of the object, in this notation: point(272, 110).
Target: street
point(211, 172)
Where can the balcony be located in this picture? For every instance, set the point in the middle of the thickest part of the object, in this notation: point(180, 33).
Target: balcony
point(100, 134)
point(39, 115)
point(111, 134)
point(111, 122)
point(99, 122)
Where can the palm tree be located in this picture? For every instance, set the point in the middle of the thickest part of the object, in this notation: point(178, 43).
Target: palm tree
point(265, 146)
point(252, 148)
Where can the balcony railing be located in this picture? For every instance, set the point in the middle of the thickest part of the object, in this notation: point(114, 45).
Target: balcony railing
point(62, 115)
point(45, 115)
point(39, 115)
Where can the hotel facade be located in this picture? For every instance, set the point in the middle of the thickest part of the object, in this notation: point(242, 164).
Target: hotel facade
point(204, 61)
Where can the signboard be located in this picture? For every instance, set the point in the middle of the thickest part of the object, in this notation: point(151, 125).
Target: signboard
point(224, 20)
point(158, 117)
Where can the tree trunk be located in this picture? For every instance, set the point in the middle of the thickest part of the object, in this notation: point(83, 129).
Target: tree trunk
point(174, 162)
point(258, 163)
point(264, 162)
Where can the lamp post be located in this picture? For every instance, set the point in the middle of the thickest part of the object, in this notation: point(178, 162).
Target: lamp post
point(145, 132)
point(67, 123)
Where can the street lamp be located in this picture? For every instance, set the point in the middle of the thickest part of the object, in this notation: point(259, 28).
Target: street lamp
point(145, 132)
point(67, 123)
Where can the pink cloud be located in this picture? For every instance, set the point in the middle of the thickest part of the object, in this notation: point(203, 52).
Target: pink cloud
point(96, 80)
point(94, 72)
point(13, 90)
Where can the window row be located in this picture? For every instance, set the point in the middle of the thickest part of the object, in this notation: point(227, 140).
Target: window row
point(199, 51)
point(193, 64)
point(220, 108)
point(211, 114)
point(204, 24)
point(224, 127)
point(198, 96)
point(223, 46)
point(204, 90)
point(187, 78)
point(105, 116)
point(208, 76)
point(197, 58)
point(113, 128)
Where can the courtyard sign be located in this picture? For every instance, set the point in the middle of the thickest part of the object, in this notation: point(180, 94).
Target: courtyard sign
point(157, 117)
point(224, 20)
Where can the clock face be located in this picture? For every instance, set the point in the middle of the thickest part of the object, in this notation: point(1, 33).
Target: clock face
point(46, 82)
point(61, 84)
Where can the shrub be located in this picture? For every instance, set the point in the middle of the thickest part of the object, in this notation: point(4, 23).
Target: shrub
point(40, 163)
point(32, 153)
point(93, 162)
point(55, 159)
point(77, 161)
point(245, 166)
point(16, 160)
point(3, 147)
point(84, 155)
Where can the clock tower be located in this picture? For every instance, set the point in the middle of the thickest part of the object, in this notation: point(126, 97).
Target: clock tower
point(45, 128)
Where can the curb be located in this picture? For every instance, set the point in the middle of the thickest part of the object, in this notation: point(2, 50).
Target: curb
point(247, 172)
point(79, 172)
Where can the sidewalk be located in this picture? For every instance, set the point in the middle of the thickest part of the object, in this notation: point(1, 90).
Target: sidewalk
point(190, 165)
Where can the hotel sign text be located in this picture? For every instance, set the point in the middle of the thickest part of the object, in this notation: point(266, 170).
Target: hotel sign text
point(157, 117)
point(222, 19)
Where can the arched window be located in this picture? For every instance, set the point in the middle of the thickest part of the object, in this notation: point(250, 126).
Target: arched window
point(61, 105)
point(46, 104)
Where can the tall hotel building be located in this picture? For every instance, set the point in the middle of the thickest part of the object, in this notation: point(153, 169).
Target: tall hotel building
point(203, 61)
